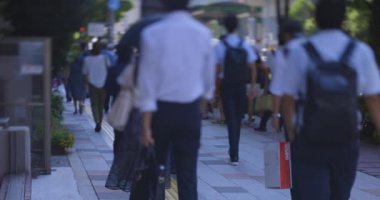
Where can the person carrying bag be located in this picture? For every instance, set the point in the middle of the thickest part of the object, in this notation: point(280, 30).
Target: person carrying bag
point(126, 118)
point(149, 174)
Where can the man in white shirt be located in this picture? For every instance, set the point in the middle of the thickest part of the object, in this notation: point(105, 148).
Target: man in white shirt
point(322, 170)
point(291, 34)
point(234, 91)
point(95, 68)
point(176, 71)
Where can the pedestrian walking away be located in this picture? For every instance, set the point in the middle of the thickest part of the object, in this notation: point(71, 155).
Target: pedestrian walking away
point(324, 75)
point(291, 34)
point(76, 79)
point(234, 58)
point(176, 72)
point(108, 51)
point(95, 68)
point(125, 146)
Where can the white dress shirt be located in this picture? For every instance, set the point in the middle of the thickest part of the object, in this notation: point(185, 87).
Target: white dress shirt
point(280, 64)
point(95, 67)
point(177, 62)
point(233, 40)
point(330, 44)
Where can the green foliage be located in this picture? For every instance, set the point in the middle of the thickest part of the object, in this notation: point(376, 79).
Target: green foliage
point(57, 19)
point(303, 11)
point(357, 19)
point(99, 12)
point(60, 136)
point(57, 106)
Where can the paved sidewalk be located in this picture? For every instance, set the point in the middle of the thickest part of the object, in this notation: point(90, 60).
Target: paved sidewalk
point(91, 158)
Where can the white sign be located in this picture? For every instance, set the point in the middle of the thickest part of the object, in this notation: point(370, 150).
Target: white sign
point(32, 69)
point(96, 29)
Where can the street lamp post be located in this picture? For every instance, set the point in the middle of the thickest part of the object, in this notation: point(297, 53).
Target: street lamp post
point(113, 6)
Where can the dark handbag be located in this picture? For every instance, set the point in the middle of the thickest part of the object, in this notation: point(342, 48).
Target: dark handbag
point(149, 179)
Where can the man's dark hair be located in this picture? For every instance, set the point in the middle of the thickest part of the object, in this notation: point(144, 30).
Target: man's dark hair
point(330, 14)
point(289, 27)
point(231, 23)
point(172, 5)
point(83, 46)
point(96, 48)
point(292, 27)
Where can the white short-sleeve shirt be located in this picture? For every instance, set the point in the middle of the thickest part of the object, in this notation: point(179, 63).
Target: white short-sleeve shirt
point(177, 62)
point(330, 44)
point(95, 67)
point(233, 40)
point(280, 64)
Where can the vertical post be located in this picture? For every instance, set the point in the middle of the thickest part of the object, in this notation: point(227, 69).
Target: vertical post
point(111, 25)
point(47, 104)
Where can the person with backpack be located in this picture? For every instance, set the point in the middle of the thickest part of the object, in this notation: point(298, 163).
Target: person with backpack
point(325, 74)
point(234, 58)
point(291, 33)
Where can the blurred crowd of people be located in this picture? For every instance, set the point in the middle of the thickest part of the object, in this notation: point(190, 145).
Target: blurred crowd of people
point(307, 88)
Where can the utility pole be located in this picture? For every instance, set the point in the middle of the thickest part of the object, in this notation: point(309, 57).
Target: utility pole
point(282, 9)
point(113, 6)
point(111, 26)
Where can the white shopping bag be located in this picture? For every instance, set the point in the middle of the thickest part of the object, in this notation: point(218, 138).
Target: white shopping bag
point(277, 165)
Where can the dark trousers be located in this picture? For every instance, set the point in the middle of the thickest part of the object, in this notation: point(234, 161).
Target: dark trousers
point(323, 172)
point(233, 98)
point(264, 119)
point(110, 98)
point(177, 127)
point(68, 91)
point(97, 97)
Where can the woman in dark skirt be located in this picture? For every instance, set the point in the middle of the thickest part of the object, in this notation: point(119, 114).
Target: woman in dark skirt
point(76, 81)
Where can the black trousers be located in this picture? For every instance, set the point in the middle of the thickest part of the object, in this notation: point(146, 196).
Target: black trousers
point(177, 127)
point(233, 98)
point(107, 101)
point(323, 172)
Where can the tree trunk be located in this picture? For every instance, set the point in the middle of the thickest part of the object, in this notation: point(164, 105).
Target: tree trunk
point(287, 5)
point(282, 10)
point(278, 11)
point(375, 28)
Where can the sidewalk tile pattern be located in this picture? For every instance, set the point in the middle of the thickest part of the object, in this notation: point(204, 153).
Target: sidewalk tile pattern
point(217, 180)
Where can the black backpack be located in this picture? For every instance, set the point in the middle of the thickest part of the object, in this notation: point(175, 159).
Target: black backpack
point(235, 63)
point(330, 107)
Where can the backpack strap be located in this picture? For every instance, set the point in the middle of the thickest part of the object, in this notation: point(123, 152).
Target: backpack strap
point(348, 51)
point(228, 46)
point(312, 52)
point(241, 43)
point(224, 41)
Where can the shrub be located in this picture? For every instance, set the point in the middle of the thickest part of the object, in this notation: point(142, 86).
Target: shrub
point(60, 137)
point(57, 107)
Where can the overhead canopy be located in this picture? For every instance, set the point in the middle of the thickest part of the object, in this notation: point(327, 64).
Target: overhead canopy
point(219, 10)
